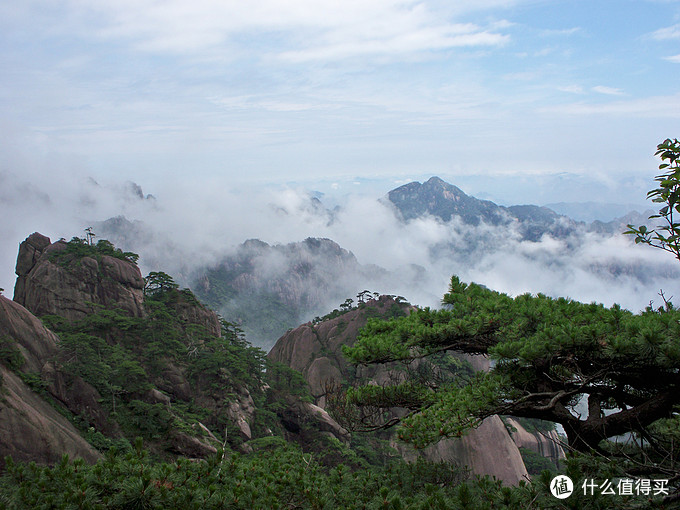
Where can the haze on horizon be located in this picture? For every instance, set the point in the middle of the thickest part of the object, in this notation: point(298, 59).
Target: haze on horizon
point(220, 107)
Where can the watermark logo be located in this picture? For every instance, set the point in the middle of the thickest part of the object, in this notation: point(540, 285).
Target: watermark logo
point(561, 486)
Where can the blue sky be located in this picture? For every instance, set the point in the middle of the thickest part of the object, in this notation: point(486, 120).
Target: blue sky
point(514, 100)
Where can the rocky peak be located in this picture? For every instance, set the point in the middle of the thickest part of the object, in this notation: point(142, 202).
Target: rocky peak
point(52, 280)
point(443, 200)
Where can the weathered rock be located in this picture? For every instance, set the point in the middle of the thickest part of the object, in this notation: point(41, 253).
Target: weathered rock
point(192, 312)
point(322, 371)
point(79, 397)
point(46, 287)
point(297, 348)
point(323, 421)
point(315, 350)
point(30, 252)
point(190, 446)
point(32, 430)
point(35, 341)
point(154, 396)
point(241, 411)
point(486, 450)
point(543, 443)
point(297, 416)
point(174, 381)
point(39, 347)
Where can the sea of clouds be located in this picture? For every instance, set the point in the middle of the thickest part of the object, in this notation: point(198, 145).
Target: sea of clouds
point(189, 225)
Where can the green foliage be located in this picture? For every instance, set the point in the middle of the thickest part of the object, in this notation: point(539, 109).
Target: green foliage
point(273, 477)
point(536, 463)
point(125, 357)
point(10, 355)
point(228, 362)
point(666, 236)
point(34, 381)
point(158, 282)
point(78, 248)
point(284, 380)
point(548, 353)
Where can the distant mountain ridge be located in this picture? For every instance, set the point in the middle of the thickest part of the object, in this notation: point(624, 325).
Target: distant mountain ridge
point(436, 197)
point(270, 288)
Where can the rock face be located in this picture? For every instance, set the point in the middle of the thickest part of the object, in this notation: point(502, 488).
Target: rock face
point(36, 343)
point(242, 412)
point(546, 444)
point(68, 285)
point(315, 351)
point(32, 430)
point(65, 286)
point(486, 450)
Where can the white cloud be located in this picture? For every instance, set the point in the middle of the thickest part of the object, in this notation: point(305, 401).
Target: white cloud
point(571, 89)
point(675, 59)
point(609, 91)
point(658, 106)
point(301, 30)
point(667, 33)
point(561, 32)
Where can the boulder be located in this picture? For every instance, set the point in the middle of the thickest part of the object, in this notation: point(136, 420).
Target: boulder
point(298, 416)
point(30, 252)
point(241, 411)
point(486, 450)
point(190, 446)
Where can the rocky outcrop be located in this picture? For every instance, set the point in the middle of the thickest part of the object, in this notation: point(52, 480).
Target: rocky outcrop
point(298, 416)
point(241, 411)
point(315, 351)
point(32, 430)
point(545, 443)
point(36, 343)
point(486, 450)
point(79, 397)
point(68, 285)
point(190, 311)
point(38, 346)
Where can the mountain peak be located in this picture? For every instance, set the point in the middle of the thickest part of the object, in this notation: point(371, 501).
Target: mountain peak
point(442, 200)
point(437, 197)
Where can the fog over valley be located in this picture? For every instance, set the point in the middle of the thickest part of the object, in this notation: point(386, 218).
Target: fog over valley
point(358, 242)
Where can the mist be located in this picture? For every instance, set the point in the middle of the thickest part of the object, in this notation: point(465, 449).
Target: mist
point(182, 227)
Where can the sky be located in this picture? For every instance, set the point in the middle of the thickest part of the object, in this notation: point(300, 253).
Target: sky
point(520, 101)
point(205, 103)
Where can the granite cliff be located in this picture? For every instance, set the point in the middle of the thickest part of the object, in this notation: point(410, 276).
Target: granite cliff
point(50, 280)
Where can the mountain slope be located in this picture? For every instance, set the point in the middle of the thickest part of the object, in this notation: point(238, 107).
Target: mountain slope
point(445, 201)
point(268, 289)
point(117, 357)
